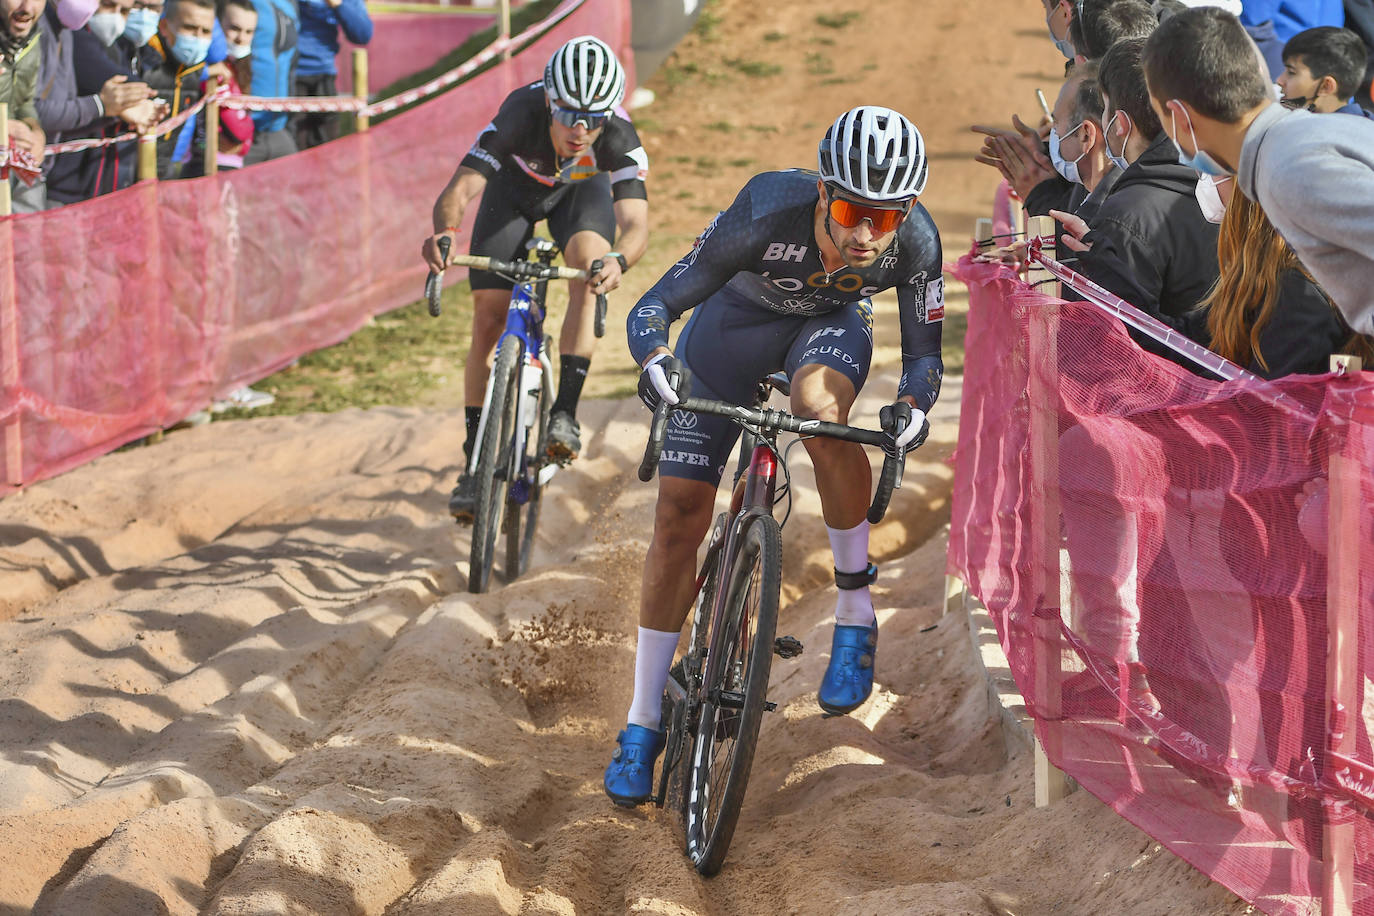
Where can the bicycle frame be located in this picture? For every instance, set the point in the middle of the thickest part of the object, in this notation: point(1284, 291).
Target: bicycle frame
point(524, 328)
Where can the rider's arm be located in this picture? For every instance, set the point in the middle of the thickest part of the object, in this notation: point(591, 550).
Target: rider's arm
point(449, 209)
point(723, 249)
point(921, 310)
point(632, 228)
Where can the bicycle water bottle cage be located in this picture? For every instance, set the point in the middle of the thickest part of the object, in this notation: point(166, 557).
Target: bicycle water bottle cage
point(851, 581)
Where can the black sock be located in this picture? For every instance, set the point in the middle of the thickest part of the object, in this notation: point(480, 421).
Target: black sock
point(471, 416)
point(572, 372)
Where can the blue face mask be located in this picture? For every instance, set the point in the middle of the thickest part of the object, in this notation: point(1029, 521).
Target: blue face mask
point(190, 51)
point(1066, 168)
point(141, 26)
point(1200, 162)
point(1065, 45)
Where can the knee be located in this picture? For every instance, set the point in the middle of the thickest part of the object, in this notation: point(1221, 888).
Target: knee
point(819, 393)
point(584, 248)
point(681, 519)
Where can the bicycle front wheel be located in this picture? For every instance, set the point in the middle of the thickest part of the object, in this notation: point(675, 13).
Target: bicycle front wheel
point(733, 706)
point(493, 467)
point(523, 518)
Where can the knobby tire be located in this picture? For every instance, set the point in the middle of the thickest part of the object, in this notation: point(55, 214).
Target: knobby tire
point(493, 469)
point(723, 745)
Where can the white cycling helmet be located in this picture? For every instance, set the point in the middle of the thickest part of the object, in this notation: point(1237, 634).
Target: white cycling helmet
point(584, 75)
point(874, 153)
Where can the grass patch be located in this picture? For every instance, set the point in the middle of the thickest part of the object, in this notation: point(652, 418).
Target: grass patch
point(682, 160)
point(818, 64)
point(522, 17)
point(765, 128)
point(822, 40)
point(685, 194)
point(838, 80)
point(706, 163)
point(741, 163)
point(646, 124)
point(836, 20)
point(755, 68)
point(722, 126)
point(774, 36)
point(708, 21)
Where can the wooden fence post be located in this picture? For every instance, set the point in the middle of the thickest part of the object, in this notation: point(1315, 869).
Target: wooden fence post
point(1342, 659)
point(361, 120)
point(147, 157)
point(9, 321)
point(212, 126)
point(1050, 783)
point(505, 27)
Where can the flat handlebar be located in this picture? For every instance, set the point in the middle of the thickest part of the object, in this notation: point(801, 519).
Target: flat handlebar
point(769, 420)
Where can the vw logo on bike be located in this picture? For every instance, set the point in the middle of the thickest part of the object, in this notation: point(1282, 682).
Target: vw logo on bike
point(684, 419)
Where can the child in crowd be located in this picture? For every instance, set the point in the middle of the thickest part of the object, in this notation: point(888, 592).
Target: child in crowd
point(1322, 69)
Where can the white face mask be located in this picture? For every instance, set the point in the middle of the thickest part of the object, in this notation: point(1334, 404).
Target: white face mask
point(1209, 199)
point(1118, 161)
point(1066, 168)
point(106, 27)
point(239, 52)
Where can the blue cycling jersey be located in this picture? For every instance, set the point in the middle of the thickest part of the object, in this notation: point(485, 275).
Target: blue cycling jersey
point(762, 253)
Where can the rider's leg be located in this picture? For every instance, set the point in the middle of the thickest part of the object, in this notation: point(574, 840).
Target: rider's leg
point(843, 479)
point(577, 340)
point(681, 519)
point(489, 307)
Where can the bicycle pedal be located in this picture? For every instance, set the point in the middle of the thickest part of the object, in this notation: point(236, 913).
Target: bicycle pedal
point(770, 706)
point(787, 647)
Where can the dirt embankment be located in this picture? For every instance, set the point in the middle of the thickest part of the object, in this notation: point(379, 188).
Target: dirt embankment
point(240, 672)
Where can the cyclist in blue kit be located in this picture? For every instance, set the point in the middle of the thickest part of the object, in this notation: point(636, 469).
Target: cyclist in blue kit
point(781, 282)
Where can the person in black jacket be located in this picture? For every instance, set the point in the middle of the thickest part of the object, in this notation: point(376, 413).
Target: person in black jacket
point(182, 41)
point(1151, 219)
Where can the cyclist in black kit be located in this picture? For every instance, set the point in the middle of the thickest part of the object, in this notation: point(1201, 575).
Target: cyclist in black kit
point(562, 150)
point(780, 281)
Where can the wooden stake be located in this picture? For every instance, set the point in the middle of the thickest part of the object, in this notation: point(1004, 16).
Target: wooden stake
point(212, 127)
point(5, 203)
point(505, 27)
point(147, 157)
point(1342, 639)
point(1050, 783)
point(9, 322)
point(360, 87)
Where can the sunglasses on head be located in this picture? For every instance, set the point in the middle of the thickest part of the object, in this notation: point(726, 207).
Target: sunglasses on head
point(849, 213)
point(569, 117)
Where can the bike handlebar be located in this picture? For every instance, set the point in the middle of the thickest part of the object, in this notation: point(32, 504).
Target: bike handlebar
point(768, 420)
point(520, 270)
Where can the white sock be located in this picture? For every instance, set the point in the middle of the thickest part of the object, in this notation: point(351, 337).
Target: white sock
point(853, 607)
point(653, 658)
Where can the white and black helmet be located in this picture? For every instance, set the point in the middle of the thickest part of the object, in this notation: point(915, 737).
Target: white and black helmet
point(874, 153)
point(584, 75)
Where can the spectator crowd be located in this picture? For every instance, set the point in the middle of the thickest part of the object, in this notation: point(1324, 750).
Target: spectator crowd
point(1213, 165)
point(82, 69)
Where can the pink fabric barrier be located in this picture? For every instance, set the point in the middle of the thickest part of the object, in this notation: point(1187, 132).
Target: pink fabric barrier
point(403, 43)
point(126, 313)
point(1181, 573)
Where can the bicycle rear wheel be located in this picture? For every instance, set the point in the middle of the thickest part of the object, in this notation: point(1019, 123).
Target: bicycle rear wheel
point(493, 468)
point(733, 706)
point(523, 519)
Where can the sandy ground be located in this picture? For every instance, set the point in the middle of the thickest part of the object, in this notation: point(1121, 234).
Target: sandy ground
point(241, 674)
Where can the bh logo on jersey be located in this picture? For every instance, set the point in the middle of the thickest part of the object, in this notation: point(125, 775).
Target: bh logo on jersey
point(780, 251)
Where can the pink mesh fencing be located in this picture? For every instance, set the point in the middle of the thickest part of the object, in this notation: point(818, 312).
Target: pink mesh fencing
point(1181, 574)
point(123, 314)
point(403, 43)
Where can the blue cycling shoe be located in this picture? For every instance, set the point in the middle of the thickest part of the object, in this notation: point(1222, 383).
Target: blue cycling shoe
point(849, 677)
point(629, 779)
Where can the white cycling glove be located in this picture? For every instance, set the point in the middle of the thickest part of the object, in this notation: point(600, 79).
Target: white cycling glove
point(657, 380)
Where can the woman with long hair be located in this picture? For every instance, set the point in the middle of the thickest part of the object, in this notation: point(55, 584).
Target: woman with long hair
point(1266, 312)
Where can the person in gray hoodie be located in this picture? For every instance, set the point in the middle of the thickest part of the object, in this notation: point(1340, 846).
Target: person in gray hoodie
point(1313, 175)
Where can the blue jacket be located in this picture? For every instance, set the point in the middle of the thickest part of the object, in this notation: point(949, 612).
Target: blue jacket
point(1293, 16)
point(274, 58)
point(320, 24)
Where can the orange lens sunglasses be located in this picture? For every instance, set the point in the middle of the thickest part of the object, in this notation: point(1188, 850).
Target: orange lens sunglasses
point(849, 214)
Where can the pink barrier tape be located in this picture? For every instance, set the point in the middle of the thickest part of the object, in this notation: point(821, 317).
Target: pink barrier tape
point(185, 290)
point(293, 103)
point(1180, 570)
point(21, 162)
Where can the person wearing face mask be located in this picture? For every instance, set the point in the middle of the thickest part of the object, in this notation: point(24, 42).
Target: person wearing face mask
point(84, 94)
point(181, 44)
point(1150, 243)
point(1077, 147)
point(1322, 69)
point(239, 20)
point(19, 60)
point(1059, 16)
point(1314, 175)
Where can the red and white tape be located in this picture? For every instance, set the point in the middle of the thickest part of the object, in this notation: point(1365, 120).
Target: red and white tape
point(21, 162)
point(164, 127)
point(294, 103)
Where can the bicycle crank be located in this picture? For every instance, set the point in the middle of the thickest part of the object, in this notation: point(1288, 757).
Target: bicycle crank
point(787, 647)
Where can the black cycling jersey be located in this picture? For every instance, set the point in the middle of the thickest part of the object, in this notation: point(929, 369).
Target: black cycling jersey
point(517, 141)
point(762, 253)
